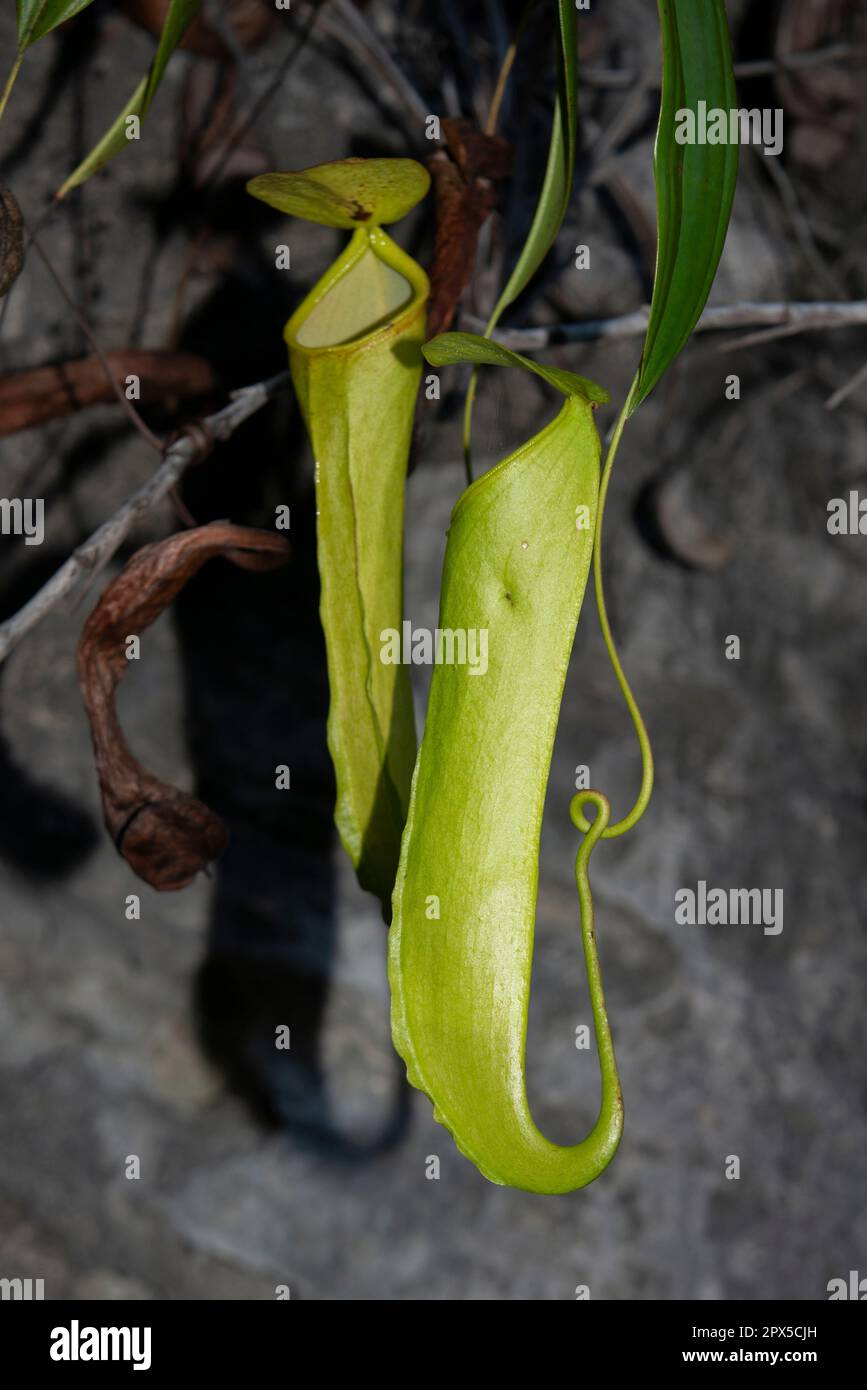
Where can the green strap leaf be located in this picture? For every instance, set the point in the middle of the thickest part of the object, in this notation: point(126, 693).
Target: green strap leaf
point(347, 192)
point(449, 348)
point(180, 16)
point(36, 18)
point(695, 183)
point(559, 171)
point(553, 197)
point(695, 186)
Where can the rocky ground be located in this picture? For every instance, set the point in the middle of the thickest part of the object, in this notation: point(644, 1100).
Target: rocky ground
point(154, 1037)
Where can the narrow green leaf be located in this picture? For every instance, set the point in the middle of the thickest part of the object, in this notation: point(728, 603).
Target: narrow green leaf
point(347, 192)
point(36, 18)
point(559, 171)
point(449, 348)
point(695, 183)
point(180, 16)
point(553, 197)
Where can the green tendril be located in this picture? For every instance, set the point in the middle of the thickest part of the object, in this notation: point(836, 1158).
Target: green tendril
point(611, 1111)
point(620, 827)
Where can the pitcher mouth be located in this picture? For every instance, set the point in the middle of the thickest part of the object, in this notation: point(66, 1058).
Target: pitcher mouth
point(371, 286)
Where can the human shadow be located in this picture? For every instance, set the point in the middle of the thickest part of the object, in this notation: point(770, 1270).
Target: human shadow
point(257, 698)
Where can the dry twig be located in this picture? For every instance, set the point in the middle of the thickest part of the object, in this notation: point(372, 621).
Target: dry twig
point(780, 320)
point(90, 557)
point(164, 834)
point(49, 393)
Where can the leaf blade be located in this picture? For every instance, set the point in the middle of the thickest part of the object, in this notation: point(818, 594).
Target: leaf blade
point(450, 348)
point(346, 192)
point(180, 15)
point(559, 169)
point(695, 183)
point(36, 18)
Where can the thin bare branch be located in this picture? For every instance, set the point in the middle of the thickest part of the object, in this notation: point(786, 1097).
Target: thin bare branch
point(312, 18)
point(799, 222)
point(349, 27)
point(126, 404)
point(616, 78)
point(34, 396)
point(781, 320)
point(844, 391)
point(90, 557)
